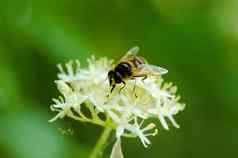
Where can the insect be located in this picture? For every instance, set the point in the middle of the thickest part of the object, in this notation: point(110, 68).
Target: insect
point(131, 66)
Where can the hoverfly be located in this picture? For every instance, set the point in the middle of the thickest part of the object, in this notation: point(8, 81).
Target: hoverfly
point(131, 66)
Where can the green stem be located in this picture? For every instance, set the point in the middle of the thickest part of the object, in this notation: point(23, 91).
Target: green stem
point(99, 147)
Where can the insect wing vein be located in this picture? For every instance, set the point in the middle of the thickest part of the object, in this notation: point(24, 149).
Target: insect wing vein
point(153, 69)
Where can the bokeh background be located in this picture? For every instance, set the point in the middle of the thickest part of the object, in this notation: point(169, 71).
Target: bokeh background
point(196, 40)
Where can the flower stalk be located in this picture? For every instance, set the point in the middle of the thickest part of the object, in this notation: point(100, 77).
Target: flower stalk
point(97, 152)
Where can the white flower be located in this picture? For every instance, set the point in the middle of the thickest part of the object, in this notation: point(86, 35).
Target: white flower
point(137, 102)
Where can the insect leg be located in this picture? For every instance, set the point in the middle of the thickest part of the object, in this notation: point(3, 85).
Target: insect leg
point(124, 85)
point(113, 86)
point(142, 75)
point(134, 89)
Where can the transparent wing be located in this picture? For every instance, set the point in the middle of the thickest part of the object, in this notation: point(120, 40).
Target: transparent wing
point(153, 69)
point(131, 53)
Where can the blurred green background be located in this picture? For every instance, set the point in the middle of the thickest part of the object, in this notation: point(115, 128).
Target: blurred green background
point(196, 40)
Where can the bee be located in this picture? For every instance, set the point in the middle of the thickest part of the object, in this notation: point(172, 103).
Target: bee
point(131, 66)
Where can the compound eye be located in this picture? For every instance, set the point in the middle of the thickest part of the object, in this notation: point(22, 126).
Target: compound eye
point(111, 77)
point(110, 73)
point(110, 80)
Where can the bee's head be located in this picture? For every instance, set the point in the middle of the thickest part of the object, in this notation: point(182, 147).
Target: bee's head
point(114, 78)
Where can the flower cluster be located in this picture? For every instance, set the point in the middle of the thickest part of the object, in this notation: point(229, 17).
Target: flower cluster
point(127, 110)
